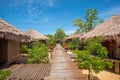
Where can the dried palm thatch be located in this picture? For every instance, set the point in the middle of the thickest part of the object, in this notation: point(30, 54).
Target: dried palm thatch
point(10, 32)
point(110, 29)
point(78, 35)
point(36, 35)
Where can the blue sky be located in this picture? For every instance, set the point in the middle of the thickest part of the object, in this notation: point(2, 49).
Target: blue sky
point(46, 16)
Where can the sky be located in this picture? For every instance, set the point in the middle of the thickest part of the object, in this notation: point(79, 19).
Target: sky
point(46, 16)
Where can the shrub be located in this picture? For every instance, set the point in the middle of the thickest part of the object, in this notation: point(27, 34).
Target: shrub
point(24, 48)
point(4, 74)
point(75, 44)
point(38, 54)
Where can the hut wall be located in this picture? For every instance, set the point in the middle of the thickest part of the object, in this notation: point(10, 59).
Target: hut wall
point(13, 50)
point(118, 50)
point(113, 48)
point(3, 51)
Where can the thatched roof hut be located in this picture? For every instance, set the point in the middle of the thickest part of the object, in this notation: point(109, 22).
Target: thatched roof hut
point(110, 29)
point(10, 38)
point(10, 32)
point(36, 35)
point(78, 35)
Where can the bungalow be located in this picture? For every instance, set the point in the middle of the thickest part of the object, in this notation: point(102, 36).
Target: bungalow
point(110, 30)
point(10, 38)
point(34, 35)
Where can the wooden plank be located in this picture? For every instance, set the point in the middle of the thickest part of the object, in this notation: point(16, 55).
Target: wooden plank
point(47, 71)
point(26, 72)
point(31, 72)
point(15, 73)
point(22, 73)
point(34, 73)
point(39, 72)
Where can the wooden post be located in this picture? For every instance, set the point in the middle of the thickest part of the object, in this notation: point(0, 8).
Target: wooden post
point(117, 67)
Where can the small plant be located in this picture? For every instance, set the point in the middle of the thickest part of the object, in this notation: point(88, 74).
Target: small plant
point(4, 74)
point(24, 48)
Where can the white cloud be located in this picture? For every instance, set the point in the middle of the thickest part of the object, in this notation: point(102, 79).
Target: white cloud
point(38, 9)
point(68, 32)
point(111, 12)
point(34, 8)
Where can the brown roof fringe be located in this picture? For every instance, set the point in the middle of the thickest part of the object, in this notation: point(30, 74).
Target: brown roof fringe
point(110, 29)
point(10, 32)
point(36, 35)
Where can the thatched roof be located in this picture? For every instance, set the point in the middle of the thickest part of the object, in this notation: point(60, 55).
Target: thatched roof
point(7, 31)
point(36, 35)
point(110, 29)
point(78, 35)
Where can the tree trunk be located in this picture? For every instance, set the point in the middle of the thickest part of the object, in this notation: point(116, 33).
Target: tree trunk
point(90, 73)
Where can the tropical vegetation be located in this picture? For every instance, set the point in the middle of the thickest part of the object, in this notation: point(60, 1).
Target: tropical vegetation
point(93, 57)
point(4, 74)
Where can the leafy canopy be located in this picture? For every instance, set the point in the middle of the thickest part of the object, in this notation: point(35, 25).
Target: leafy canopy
point(89, 22)
point(60, 34)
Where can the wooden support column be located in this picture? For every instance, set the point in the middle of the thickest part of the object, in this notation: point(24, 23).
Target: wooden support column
point(117, 67)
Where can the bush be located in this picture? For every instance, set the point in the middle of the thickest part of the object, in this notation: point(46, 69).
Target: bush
point(4, 74)
point(38, 54)
point(24, 48)
point(75, 44)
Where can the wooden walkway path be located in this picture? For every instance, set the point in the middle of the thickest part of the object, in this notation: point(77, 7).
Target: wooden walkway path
point(31, 72)
point(63, 68)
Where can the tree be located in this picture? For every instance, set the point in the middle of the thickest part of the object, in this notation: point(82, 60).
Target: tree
point(93, 57)
point(60, 34)
point(91, 20)
point(51, 40)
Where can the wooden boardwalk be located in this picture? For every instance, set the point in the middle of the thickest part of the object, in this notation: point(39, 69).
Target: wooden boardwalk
point(31, 72)
point(60, 67)
point(63, 68)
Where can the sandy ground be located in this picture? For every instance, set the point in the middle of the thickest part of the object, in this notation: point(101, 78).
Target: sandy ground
point(104, 75)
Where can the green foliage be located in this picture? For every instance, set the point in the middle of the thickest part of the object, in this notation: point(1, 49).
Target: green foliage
point(51, 40)
point(94, 56)
point(24, 48)
point(64, 43)
point(4, 74)
point(95, 47)
point(60, 34)
point(75, 44)
point(91, 20)
point(38, 53)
